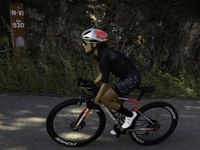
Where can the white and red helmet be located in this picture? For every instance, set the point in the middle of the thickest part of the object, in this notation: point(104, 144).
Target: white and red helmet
point(94, 34)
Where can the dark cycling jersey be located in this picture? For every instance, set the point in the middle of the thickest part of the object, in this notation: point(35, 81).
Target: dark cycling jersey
point(115, 62)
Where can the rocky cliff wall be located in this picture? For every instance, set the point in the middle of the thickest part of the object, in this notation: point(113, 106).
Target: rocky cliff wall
point(166, 42)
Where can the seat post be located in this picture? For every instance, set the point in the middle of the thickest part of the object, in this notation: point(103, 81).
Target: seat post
point(141, 94)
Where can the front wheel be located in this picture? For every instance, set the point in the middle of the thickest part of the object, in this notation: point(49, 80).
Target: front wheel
point(156, 122)
point(61, 122)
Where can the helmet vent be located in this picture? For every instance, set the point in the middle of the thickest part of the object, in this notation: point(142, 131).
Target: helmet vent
point(86, 32)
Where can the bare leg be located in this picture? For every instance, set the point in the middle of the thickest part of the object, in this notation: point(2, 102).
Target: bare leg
point(107, 98)
point(107, 101)
point(121, 102)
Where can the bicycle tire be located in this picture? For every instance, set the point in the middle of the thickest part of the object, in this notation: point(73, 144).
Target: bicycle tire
point(60, 119)
point(161, 113)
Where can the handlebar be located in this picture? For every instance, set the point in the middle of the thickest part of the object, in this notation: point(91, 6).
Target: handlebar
point(88, 85)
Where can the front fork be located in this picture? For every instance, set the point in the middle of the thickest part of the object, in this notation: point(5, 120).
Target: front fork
point(82, 116)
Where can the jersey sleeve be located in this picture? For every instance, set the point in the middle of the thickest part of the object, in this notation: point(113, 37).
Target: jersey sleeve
point(104, 64)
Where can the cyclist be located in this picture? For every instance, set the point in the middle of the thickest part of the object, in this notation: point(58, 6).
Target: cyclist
point(115, 62)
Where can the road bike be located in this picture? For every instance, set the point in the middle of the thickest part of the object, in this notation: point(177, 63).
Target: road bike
point(71, 123)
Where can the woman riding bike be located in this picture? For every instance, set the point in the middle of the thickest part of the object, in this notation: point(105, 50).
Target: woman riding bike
point(118, 64)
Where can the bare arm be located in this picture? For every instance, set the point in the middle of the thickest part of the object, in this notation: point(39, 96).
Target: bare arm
point(98, 79)
point(101, 92)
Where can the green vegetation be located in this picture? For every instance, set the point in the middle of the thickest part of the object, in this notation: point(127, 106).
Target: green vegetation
point(27, 76)
point(42, 77)
point(169, 86)
point(54, 62)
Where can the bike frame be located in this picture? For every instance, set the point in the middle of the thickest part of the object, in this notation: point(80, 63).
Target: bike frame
point(86, 111)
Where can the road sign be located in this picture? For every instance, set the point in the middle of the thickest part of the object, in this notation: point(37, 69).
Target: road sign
point(17, 29)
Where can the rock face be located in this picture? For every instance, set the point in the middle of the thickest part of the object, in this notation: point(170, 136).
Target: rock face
point(161, 36)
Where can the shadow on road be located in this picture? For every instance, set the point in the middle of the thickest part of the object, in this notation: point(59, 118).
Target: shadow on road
point(23, 118)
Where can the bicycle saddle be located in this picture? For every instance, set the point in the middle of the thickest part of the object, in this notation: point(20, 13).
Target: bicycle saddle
point(149, 89)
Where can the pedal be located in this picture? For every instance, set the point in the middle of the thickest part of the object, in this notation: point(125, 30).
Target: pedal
point(118, 131)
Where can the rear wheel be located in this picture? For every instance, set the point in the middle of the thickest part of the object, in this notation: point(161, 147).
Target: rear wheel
point(62, 119)
point(163, 121)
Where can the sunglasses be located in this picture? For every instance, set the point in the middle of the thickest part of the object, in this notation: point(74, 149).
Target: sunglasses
point(86, 42)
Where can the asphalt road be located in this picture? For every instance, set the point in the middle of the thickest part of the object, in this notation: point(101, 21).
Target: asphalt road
point(22, 126)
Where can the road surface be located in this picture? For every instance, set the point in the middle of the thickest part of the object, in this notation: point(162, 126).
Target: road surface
point(22, 126)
